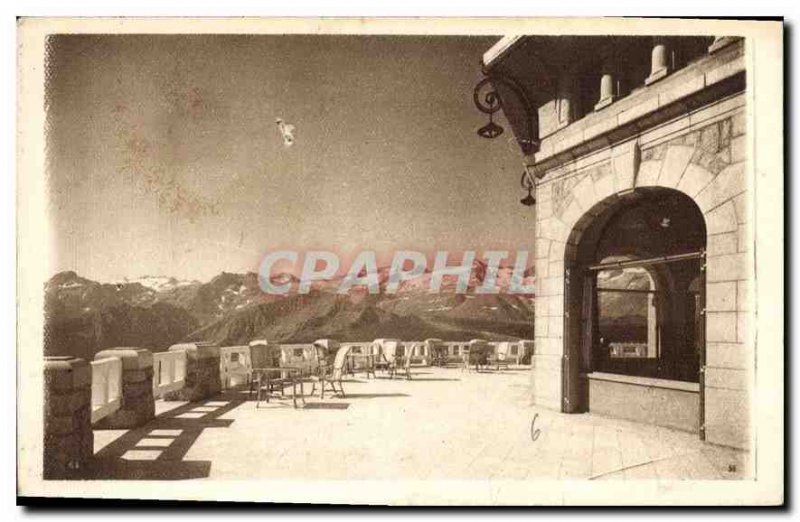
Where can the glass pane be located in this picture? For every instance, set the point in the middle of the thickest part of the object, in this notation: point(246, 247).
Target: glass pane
point(623, 324)
point(627, 314)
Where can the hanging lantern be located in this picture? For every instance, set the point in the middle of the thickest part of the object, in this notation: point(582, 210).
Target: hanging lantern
point(489, 104)
point(527, 183)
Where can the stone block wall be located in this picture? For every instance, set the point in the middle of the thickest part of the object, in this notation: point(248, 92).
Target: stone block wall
point(68, 436)
point(646, 400)
point(202, 373)
point(137, 401)
point(701, 154)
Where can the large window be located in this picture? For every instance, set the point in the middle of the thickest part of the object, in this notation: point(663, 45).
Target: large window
point(646, 318)
point(642, 291)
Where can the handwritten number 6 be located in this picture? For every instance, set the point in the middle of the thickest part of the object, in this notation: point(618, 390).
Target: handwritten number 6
point(534, 430)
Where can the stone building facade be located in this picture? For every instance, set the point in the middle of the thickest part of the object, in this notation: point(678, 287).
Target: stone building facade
point(636, 148)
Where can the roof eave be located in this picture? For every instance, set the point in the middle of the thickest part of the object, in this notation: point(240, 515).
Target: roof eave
point(499, 50)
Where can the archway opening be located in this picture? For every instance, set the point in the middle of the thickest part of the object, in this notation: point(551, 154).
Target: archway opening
point(634, 297)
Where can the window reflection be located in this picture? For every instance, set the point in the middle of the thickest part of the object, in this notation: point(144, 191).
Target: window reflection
point(627, 313)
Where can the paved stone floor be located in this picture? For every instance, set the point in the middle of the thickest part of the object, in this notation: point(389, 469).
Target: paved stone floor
point(443, 424)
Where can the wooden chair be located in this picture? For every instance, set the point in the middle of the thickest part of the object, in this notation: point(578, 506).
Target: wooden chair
point(360, 359)
point(464, 361)
point(401, 364)
point(384, 350)
point(501, 356)
point(380, 360)
point(329, 374)
point(437, 352)
point(267, 375)
point(477, 354)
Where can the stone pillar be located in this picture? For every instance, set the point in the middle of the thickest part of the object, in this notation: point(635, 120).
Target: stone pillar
point(262, 353)
point(652, 326)
point(68, 436)
point(566, 98)
point(137, 402)
point(659, 65)
point(607, 89)
point(202, 373)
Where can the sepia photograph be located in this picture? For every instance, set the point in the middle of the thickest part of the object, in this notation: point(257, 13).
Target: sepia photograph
point(401, 262)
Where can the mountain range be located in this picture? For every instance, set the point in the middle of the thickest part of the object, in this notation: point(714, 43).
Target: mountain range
point(84, 316)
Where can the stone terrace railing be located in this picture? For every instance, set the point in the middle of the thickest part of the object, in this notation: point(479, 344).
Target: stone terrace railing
point(202, 376)
point(106, 387)
point(456, 349)
point(169, 372)
point(299, 355)
point(515, 351)
point(235, 363)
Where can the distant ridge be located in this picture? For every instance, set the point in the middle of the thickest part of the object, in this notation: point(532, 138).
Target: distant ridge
point(84, 316)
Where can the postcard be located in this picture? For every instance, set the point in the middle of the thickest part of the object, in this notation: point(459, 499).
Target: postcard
point(401, 261)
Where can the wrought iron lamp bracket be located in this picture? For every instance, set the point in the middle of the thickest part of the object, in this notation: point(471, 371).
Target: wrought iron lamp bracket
point(488, 101)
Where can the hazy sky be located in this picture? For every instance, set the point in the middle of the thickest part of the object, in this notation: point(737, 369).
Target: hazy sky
point(165, 159)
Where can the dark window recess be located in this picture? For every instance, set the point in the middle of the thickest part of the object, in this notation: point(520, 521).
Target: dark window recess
point(642, 312)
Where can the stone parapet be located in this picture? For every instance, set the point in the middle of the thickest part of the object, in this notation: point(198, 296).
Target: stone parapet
point(685, 91)
point(68, 437)
point(202, 372)
point(137, 402)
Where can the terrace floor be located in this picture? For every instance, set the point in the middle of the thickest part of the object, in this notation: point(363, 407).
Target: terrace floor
point(443, 424)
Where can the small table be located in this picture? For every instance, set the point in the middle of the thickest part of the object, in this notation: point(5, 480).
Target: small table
point(264, 377)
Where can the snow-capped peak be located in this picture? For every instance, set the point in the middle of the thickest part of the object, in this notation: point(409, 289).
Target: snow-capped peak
point(158, 283)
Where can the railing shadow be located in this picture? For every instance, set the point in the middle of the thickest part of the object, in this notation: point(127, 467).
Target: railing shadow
point(374, 395)
point(431, 379)
point(156, 450)
point(326, 405)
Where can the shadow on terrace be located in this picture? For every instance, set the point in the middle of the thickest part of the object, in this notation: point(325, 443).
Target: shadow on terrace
point(156, 450)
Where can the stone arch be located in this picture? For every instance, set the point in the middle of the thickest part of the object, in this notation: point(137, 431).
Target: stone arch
point(593, 192)
point(572, 201)
point(581, 248)
point(705, 162)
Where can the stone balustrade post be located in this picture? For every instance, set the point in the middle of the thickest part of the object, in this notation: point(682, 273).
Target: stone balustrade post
point(260, 353)
point(203, 378)
point(68, 436)
point(659, 64)
point(607, 88)
point(137, 402)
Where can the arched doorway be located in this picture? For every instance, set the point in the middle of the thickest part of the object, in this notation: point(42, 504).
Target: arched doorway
point(634, 302)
